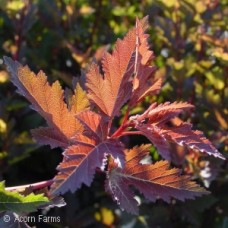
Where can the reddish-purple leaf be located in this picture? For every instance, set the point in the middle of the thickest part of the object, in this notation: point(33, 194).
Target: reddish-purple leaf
point(184, 135)
point(89, 152)
point(111, 91)
point(159, 114)
point(46, 99)
point(49, 136)
point(80, 162)
point(152, 180)
point(144, 82)
point(157, 131)
point(127, 75)
point(95, 125)
point(153, 133)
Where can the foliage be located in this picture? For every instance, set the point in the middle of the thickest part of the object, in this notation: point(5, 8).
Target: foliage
point(190, 48)
point(152, 180)
point(15, 202)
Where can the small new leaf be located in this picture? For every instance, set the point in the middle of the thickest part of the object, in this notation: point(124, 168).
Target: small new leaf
point(79, 101)
point(152, 180)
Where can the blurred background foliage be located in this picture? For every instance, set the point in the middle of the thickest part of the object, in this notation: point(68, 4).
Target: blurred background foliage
point(190, 41)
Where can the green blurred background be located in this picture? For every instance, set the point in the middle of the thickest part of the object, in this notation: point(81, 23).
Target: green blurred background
point(61, 37)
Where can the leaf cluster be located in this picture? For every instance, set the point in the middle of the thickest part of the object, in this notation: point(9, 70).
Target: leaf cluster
point(189, 41)
point(85, 130)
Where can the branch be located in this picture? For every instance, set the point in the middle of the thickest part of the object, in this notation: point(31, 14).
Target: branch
point(34, 186)
point(131, 133)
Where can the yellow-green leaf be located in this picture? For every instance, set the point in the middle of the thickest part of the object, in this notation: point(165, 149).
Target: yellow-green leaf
point(15, 202)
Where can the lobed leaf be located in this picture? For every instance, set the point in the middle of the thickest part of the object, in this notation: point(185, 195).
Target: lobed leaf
point(152, 180)
point(153, 123)
point(80, 163)
point(162, 113)
point(111, 91)
point(89, 152)
point(94, 125)
point(184, 135)
point(153, 133)
point(48, 100)
point(49, 136)
point(127, 75)
point(144, 82)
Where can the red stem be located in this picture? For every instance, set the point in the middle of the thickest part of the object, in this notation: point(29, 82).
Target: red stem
point(34, 186)
point(126, 116)
point(123, 126)
point(131, 133)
